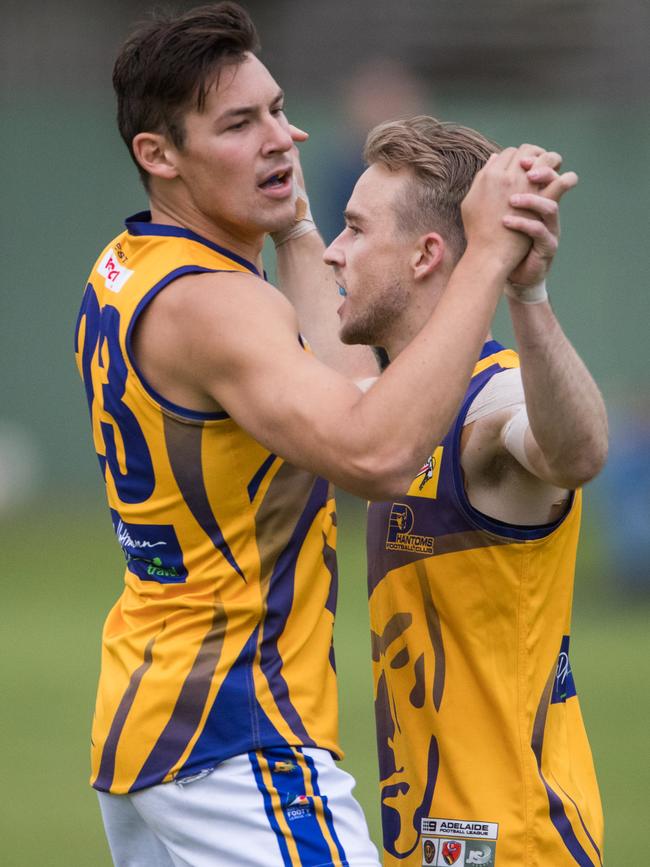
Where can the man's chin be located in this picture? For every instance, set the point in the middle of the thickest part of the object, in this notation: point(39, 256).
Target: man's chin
point(281, 218)
point(354, 337)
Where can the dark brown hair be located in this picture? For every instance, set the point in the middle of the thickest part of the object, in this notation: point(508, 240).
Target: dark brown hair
point(443, 158)
point(168, 64)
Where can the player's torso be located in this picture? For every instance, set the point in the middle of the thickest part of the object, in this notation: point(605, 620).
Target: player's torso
point(483, 755)
point(221, 640)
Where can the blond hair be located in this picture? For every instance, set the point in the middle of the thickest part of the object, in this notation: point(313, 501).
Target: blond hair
point(443, 159)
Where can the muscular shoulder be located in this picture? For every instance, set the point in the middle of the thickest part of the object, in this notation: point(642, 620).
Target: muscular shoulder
point(202, 324)
point(200, 300)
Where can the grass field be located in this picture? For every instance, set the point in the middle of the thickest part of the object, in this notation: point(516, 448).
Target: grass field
point(62, 572)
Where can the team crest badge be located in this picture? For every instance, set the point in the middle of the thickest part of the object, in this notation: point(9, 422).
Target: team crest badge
point(451, 851)
point(480, 853)
point(284, 767)
point(428, 852)
point(400, 536)
point(425, 484)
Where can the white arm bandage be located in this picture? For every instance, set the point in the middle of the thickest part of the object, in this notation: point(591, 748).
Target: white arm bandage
point(503, 390)
point(303, 222)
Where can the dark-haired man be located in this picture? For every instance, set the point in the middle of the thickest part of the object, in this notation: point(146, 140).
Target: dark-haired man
point(215, 428)
point(482, 750)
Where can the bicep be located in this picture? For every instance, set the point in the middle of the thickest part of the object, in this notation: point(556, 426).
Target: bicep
point(251, 361)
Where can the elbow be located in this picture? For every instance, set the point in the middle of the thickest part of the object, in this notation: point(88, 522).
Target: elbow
point(585, 466)
point(593, 462)
point(382, 477)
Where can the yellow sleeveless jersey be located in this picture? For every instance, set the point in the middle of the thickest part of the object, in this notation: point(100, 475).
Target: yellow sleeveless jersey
point(482, 750)
point(221, 641)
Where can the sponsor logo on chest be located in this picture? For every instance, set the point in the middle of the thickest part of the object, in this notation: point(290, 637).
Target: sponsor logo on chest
point(401, 535)
point(115, 274)
point(425, 484)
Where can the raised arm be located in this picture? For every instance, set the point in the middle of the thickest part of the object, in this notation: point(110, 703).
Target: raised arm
point(309, 284)
point(563, 432)
point(231, 341)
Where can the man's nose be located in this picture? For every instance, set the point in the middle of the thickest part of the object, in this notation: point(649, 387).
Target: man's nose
point(279, 136)
point(334, 255)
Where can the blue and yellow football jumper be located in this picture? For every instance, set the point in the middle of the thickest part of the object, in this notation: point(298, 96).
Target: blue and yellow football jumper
point(221, 642)
point(483, 754)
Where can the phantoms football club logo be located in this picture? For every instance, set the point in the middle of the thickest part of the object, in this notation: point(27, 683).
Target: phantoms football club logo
point(400, 535)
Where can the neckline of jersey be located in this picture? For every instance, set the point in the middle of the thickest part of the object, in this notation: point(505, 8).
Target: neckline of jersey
point(141, 224)
point(490, 347)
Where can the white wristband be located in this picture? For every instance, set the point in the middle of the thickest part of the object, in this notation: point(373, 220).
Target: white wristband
point(303, 222)
point(527, 294)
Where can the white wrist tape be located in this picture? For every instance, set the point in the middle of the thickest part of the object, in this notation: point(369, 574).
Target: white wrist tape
point(514, 438)
point(303, 222)
point(527, 294)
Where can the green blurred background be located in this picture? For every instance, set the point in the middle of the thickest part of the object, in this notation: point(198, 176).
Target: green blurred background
point(571, 76)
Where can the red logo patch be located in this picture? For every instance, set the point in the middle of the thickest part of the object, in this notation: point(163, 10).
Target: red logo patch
point(451, 851)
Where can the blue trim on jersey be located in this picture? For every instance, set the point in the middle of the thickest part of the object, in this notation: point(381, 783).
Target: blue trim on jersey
point(490, 347)
point(106, 773)
point(194, 415)
point(268, 808)
point(278, 606)
point(236, 718)
point(584, 827)
point(140, 224)
point(563, 826)
point(91, 311)
point(256, 481)
point(518, 532)
point(564, 686)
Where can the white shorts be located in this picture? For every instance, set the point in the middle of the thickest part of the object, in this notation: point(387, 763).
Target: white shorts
point(284, 807)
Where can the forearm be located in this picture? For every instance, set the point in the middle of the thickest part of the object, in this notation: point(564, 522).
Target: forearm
point(309, 284)
point(412, 406)
point(566, 412)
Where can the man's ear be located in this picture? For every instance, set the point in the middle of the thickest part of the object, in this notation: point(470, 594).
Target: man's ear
point(428, 254)
point(153, 153)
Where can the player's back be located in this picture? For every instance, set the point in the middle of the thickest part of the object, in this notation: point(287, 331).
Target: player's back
point(221, 640)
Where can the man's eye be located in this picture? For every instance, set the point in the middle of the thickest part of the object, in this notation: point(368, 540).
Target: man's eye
point(353, 229)
point(236, 126)
point(277, 111)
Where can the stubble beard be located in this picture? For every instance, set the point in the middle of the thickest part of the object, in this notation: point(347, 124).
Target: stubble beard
point(374, 325)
